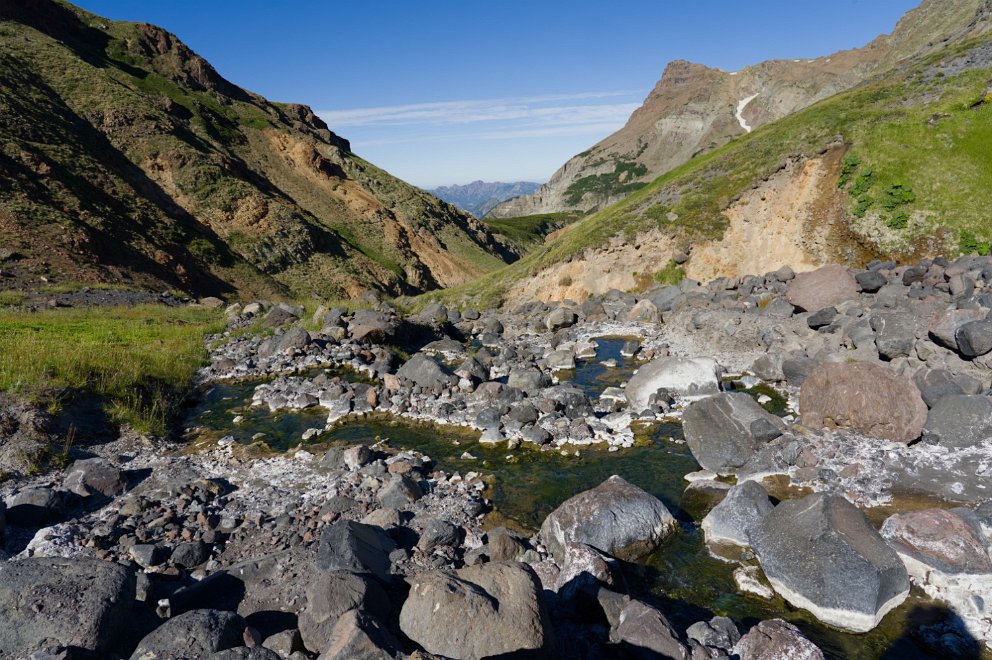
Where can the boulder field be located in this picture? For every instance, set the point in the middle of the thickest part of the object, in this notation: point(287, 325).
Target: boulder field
point(809, 403)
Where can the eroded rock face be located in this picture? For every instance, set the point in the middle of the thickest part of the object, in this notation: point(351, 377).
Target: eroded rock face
point(476, 612)
point(863, 396)
point(686, 376)
point(81, 603)
point(724, 430)
point(776, 638)
point(824, 287)
point(615, 517)
point(820, 553)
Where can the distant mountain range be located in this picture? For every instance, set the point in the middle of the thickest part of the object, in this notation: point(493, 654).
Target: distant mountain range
point(479, 197)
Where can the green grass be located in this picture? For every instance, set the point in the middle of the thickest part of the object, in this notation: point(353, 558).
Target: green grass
point(12, 298)
point(672, 273)
point(138, 360)
point(527, 232)
point(918, 148)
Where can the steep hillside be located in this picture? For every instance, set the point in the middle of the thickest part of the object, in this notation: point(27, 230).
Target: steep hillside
point(479, 197)
point(897, 167)
point(694, 108)
point(126, 158)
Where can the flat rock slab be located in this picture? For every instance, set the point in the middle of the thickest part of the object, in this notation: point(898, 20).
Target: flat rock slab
point(824, 287)
point(615, 517)
point(81, 603)
point(476, 612)
point(864, 396)
point(820, 553)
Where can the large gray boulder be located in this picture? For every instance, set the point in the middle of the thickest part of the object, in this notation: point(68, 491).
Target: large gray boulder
point(425, 372)
point(820, 553)
point(293, 340)
point(94, 477)
point(328, 596)
point(959, 420)
point(35, 506)
point(371, 326)
point(528, 379)
point(944, 325)
point(352, 546)
point(974, 338)
point(79, 603)
point(645, 633)
point(731, 520)
point(195, 634)
point(678, 375)
point(487, 610)
point(615, 517)
point(864, 396)
point(777, 639)
point(895, 334)
point(824, 287)
point(560, 318)
point(724, 431)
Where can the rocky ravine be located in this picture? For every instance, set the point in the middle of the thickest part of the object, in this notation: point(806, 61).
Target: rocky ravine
point(215, 549)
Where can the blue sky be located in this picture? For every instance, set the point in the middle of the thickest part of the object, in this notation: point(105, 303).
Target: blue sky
point(443, 91)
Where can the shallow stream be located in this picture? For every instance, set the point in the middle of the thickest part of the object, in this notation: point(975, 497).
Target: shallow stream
point(682, 577)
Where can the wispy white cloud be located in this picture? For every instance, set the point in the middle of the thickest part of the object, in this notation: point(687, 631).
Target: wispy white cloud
point(569, 130)
point(546, 109)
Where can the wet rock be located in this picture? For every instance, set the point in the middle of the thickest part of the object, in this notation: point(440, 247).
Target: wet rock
point(959, 421)
point(79, 603)
point(686, 376)
point(425, 372)
point(720, 430)
point(776, 638)
point(94, 477)
point(615, 517)
point(731, 520)
point(357, 635)
point(863, 396)
point(329, 595)
point(820, 553)
point(828, 286)
point(355, 547)
point(503, 602)
point(195, 634)
point(645, 633)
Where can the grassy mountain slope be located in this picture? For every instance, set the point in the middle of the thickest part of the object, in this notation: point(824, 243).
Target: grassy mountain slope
point(125, 157)
point(694, 108)
point(915, 178)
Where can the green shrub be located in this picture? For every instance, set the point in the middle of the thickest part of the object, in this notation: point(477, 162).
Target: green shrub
point(897, 195)
point(672, 273)
point(863, 183)
point(848, 167)
point(970, 244)
point(864, 203)
point(899, 220)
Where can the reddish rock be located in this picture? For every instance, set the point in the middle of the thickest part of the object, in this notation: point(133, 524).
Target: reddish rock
point(776, 638)
point(864, 396)
point(825, 287)
point(948, 541)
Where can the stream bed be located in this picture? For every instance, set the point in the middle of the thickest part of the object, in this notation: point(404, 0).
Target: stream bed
point(682, 578)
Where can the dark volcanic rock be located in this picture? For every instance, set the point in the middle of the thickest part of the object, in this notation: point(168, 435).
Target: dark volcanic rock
point(821, 553)
point(719, 431)
point(331, 594)
point(78, 603)
point(645, 633)
point(615, 517)
point(195, 634)
point(959, 421)
point(352, 546)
